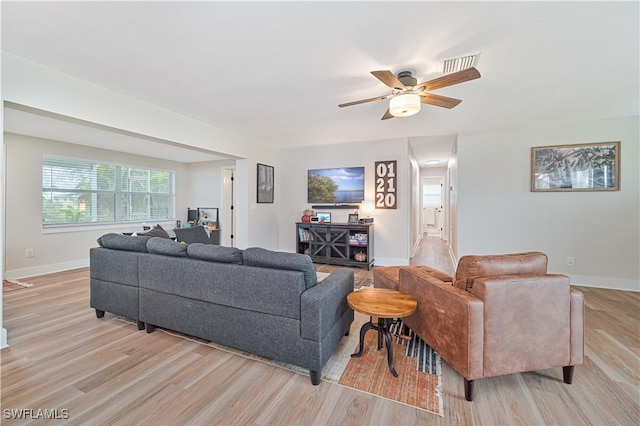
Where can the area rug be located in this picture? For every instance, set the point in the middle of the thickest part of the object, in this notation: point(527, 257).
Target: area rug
point(419, 367)
point(9, 285)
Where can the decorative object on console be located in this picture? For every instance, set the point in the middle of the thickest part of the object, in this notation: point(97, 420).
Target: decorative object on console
point(324, 217)
point(360, 256)
point(353, 218)
point(386, 179)
point(579, 167)
point(367, 209)
point(306, 215)
point(265, 183)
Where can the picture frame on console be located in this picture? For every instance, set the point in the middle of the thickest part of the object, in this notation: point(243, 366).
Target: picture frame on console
point(265, 183)
point(324, 217)
point(353, 218)
point(578, 167)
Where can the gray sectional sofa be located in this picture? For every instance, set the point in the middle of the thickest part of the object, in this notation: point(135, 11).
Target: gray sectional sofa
point(260, 301)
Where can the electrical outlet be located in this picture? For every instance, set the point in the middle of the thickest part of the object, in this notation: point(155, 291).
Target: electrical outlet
point(28, 252)
point(571, 261)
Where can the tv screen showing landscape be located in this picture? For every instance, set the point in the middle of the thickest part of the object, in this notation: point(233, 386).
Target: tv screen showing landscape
point(336, 186)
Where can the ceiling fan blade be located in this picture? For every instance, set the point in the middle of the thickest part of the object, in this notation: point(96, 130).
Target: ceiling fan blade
point(441, 101)
point(387, 115)
point(377, 98)
point(451, 79)
point(389, 79)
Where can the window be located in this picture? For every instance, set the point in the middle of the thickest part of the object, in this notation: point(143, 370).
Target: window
point(88, 192)
point(431, 193)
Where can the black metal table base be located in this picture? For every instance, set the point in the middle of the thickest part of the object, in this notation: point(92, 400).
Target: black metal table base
point(383, 330)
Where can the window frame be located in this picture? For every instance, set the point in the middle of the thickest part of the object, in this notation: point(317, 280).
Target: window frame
point(119, 194)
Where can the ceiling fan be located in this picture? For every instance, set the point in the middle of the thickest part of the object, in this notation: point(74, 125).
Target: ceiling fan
point(407, 95)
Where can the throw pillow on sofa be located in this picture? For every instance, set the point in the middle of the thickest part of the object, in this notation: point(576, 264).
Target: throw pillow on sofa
point(215, 253)
point(156, 231)
point(264, 258)
point(194, 234)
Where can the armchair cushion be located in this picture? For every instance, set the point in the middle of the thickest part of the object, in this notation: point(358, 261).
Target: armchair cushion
point(472, 267)
point(389, 276)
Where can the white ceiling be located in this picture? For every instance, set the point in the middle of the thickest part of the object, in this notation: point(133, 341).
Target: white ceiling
point(276, 71)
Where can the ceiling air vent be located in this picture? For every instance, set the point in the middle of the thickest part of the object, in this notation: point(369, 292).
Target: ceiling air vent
point(461, 63)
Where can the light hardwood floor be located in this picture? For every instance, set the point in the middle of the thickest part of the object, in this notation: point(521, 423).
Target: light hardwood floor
point(105, 371)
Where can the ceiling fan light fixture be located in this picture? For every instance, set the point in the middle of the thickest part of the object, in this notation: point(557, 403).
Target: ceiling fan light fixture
point(404, 105)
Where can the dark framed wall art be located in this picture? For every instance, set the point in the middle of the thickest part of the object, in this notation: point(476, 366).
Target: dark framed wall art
point(265, 183)
point(579, 167)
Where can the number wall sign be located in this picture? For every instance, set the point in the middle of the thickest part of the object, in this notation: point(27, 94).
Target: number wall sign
point(386, 179)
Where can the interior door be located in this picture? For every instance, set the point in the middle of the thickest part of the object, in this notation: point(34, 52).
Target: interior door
point(432, 206)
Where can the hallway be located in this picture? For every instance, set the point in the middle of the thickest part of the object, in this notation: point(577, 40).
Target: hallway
point(434, 252)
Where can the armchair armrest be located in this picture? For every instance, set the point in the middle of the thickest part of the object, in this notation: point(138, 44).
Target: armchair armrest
point(448, 319)
point(527, 322)
point(324, 304)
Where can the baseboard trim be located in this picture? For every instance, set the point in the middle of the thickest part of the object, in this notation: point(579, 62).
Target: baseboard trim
point(605, 282)
point(46, 269)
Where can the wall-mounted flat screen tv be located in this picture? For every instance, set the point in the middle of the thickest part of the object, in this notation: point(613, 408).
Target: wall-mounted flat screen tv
point(336, 186)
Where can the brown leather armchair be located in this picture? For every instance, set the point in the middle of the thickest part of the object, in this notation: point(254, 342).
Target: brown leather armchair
point(499, 314)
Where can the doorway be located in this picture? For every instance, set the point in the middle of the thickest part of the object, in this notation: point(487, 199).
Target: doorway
point(432, 206)
point(228, 215)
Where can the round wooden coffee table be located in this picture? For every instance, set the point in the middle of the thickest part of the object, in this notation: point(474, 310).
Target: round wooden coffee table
point(385, 304)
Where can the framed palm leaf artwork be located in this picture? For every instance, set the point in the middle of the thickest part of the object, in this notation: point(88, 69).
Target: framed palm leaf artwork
point(579, 167)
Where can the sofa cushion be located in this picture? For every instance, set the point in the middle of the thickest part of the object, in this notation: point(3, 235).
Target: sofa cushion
point(471, 268)
point(124, 242)
point(167, 247)
point(255, 256)
point(156, 231)
point(215, 253)
point(194, 234)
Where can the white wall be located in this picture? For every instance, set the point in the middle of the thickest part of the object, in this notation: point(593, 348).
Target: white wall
point(69, 248)
point(392, 228)
point(29, 84)
point(415, 205)
point(206, 189)
point(497, 212)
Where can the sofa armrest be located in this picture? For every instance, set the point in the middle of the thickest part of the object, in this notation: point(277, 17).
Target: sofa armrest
point(324, 304)
point(448, 319)
point(577, 327)
point(526, 322)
